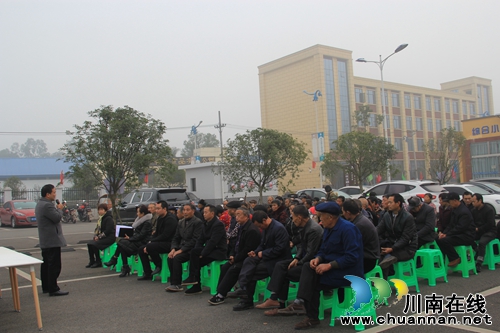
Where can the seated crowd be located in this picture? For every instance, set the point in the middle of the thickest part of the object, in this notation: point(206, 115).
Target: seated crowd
point(311, 242)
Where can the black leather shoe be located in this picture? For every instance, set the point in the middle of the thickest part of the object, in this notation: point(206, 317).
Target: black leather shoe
point(89, 265)
point(243, 305)
point(97, 264)
point(156, 271)
point(59, 293)
point(145, 278)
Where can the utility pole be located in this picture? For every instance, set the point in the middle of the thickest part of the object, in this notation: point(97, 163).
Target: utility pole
point(219, 127)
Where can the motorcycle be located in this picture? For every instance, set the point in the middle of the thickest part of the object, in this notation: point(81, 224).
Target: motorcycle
point(84, 212)
point(68, 215)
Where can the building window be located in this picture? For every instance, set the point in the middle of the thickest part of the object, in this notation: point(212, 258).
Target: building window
point(395, 99)
point(448, 124)
point(456, 124)
point(372, 121)
point(371, 96)
point(360, 96)
point(486, 99)
point(193, 184)
point(407, 101)
point(409, 123)
point(478, 149)
point(416, 102)
point(409, 140)
point(439, 126)
point(495, 147)
point(437, 104)
point(479, 100)
point(429, 125)
point(447, 105)
point(420, 126)
point(398, 144)
point(397, 122)
point(428, 106)
point(420, 144)
point(464, 108)
point(344, 97)
point(472, 109)
point(455, 107)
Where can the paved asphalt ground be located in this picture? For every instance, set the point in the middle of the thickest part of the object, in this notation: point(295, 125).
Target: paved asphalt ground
point(100, 301)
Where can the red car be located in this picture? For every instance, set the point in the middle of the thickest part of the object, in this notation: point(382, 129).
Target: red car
point(17, 213)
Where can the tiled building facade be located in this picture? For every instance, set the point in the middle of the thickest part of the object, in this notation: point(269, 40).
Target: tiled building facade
point(415, 114)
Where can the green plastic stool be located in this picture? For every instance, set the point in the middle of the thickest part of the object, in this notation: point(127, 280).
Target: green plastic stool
point(467, 262)
point(165, 271)
point(432, 265)
point(293, 289)
point(375, 272)
point(210, 275)
point(340, 308)
point(261, 288)
point(490, 257)
point(325, 303)
point(406, 271)
point(107, 253)
point(430, 245)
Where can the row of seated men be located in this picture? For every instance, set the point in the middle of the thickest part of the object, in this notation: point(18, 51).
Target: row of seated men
point(348, 245)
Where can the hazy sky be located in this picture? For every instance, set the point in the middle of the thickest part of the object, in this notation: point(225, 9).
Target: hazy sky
point(182, 61)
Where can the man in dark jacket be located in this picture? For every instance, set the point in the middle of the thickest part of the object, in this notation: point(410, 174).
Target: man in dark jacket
point(340, 254)
point(425, 220)
point(210, 246)
point(188, 231)
point(460, 231)
point(310, 234)
point(161, 241)
point(444, 214)
point(51, 239)
point(274, 247)
point(371, 247)
point(484, 219)
point(397, 234)
point(247, 240)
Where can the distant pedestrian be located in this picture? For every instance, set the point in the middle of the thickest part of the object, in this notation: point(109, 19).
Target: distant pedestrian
point(51, 239)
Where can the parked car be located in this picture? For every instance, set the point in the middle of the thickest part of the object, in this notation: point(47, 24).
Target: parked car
point(353, 190)
point(17, 213)
point(319, 192)
point(495, 180)
point(408, 188)
point(488, 198)
point(490, 187)
point(173, 196)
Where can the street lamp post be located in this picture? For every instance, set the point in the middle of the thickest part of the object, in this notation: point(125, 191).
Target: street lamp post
point(381, 64)
point(409, 136)
point(194, 130)
point(315, 95)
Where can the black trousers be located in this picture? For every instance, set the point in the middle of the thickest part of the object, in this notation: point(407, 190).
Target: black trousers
point(369, 264)
point(154, 250)
point(253, 270)
point(281, 277)
point(484, 239)
point(309, 290)
point(196, 263)
point(175, 267)
point(447, 245)
point(50, 269)
point(94, 254)
point(228, 277)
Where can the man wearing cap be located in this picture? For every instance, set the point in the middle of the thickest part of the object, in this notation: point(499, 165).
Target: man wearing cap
point(425, 220)
point(340, 254)
point(310, 234)
point(484, 219)
point(397, 234)
point(460, 231)
point(274, 247)
point(161, 241)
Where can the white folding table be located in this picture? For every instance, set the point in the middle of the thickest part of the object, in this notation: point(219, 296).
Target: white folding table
point(12, 260)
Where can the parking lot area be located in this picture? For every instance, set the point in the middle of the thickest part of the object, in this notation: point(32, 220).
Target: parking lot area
point(100, 301)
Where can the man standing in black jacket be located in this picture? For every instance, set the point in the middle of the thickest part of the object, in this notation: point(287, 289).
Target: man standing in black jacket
point(484, 219)
point(247, 240)
point(210, 246)
point(425, 220)
point(460, 231)
point(161, 241)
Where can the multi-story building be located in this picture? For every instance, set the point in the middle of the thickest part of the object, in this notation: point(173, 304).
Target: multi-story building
point(414, 114)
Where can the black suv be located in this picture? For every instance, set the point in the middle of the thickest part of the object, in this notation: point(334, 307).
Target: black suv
point(173, 196)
